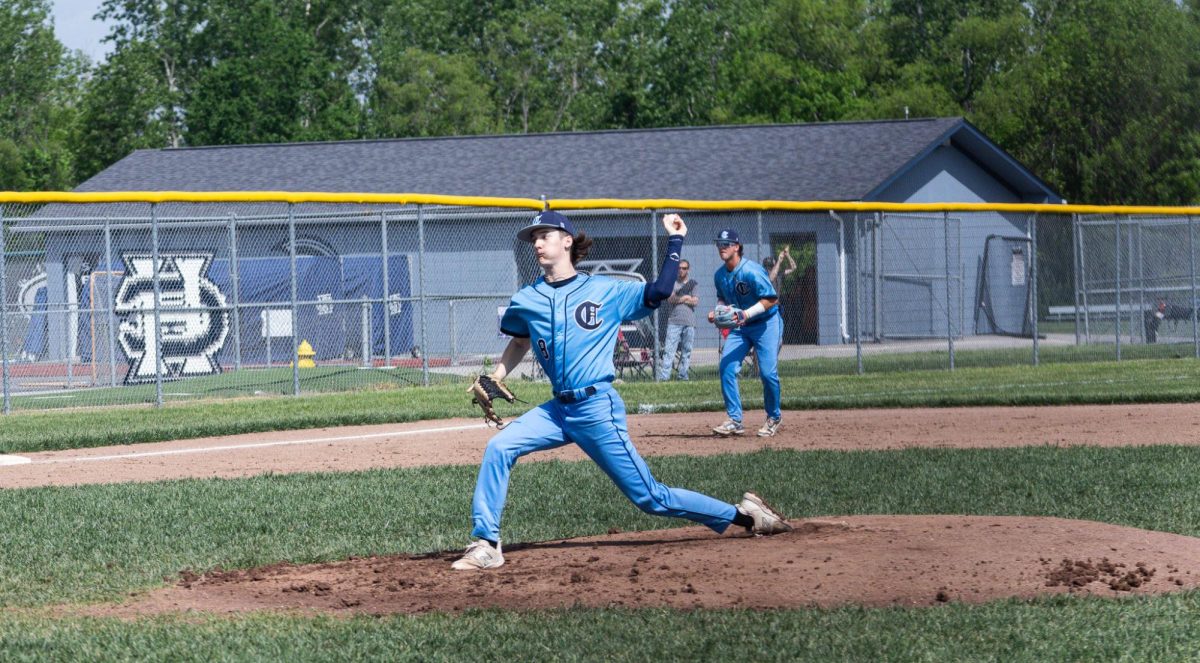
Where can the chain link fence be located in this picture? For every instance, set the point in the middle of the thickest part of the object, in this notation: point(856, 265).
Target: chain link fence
point(125, 303)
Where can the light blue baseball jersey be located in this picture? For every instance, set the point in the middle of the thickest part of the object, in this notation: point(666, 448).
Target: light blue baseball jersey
point(573, 328)
point(744, 286)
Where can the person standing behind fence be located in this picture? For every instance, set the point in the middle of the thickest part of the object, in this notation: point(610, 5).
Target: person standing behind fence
point(744, 285)
point(779, 268)
point(681, 324)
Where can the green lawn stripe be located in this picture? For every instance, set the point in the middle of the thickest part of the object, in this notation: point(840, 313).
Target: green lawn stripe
point(1145, 381)
point(1059, 629)
point(98, 542)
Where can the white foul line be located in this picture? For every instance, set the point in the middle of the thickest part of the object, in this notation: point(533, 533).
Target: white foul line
point(258, 445)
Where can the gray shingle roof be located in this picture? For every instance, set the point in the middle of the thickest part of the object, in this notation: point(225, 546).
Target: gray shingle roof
point(828, 161)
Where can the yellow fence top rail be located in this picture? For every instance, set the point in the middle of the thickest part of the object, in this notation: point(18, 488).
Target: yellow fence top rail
point(263, 197)
point(574, 203)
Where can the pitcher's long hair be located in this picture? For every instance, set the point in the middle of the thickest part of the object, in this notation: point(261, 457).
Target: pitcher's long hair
point(579, 248)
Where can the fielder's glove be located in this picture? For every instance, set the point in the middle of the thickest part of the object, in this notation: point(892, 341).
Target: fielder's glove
point(483, 391)
point(728, 317)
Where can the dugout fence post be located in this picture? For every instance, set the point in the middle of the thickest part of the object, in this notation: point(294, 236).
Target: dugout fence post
point(387, 291)
point(453, 332)
point(1083, 281)
point(1075, 271)
point(4, 315)
point(1033, 289)
point(156, 278)
point(949, 317)
point(1134, 284)
point(233, 280)
point(758, 224)
point(858, 257)
point(421, 284)
point(876, 276)
point(109, 305)
point(654, 361)
point(70, 315)
point(1117, 308)
point(1192, 280)
point(1135, 317)
point(294, 293)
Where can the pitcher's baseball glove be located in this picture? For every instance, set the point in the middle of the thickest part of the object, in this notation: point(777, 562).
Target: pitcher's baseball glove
point(486, 389)
point(728, 317)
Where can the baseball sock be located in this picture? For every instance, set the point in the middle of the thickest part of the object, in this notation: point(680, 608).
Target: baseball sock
point(494, 543)
point(743, 520)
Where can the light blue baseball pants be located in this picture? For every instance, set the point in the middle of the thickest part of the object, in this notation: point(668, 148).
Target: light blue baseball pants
point(765, 338)
point(597, 425)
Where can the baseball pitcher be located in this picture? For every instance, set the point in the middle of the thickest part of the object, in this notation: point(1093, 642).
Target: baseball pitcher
point(570, 321)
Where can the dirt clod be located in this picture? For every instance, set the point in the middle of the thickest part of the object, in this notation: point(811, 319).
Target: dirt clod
point(1075, 573)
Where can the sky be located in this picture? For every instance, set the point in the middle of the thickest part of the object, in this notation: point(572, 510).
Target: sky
point(77, 30)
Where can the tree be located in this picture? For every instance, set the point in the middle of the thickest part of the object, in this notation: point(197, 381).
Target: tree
point(161, 35)
point(698, 36)
point(938, 54)
point(797, 62)
point(542, 61)
point(38, 97)
point(126, 106)
point(1101, 104)
point(416, 93)
point(269, 73)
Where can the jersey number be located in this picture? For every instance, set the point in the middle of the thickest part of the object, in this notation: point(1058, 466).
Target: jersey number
point(542, 349)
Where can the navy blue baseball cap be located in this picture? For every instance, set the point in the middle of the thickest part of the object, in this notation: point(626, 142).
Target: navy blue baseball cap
point(549, 219)
point(727, 236)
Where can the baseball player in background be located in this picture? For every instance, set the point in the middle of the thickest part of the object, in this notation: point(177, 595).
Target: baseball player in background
point(570, 320)
point(749, 308)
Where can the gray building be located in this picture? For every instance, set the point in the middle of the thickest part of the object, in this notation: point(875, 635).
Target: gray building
point(470, 252)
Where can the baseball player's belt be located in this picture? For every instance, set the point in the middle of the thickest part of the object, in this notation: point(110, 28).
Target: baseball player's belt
point(576, 395)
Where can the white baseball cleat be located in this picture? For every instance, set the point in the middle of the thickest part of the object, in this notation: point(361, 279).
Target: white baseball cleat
point(480, 555)
point(769, 428)
point(766, 520)
point(730, 427)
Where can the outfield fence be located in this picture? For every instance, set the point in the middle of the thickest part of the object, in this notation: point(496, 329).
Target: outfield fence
point(129, 298)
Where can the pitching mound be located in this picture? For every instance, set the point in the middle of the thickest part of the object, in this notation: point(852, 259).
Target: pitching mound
point(863, 560)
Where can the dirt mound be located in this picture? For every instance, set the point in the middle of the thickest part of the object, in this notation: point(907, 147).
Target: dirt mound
point(861, 560)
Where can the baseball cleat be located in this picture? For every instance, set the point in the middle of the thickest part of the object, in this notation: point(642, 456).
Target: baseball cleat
point(766, 520)
point(769, 428)
point(480, 555)
point(730, 427)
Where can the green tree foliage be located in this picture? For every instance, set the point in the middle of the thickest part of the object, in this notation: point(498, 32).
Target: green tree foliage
point(126, 107)
point(698, 37)
point(1099, 97)
point(38, 98)
point(155, 37)
point(799, 61)
point(267, 76)
point(1104, 102)
point(417, 93)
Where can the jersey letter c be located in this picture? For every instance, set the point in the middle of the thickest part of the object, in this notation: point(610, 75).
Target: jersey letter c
point(587, 315)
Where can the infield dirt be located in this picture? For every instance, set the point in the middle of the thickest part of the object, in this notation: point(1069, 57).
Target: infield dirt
point(861, 560)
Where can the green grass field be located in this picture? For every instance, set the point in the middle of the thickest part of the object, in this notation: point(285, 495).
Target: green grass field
point(100, 542)
point(278, 381)
point(1143, 381)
